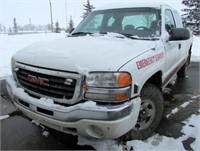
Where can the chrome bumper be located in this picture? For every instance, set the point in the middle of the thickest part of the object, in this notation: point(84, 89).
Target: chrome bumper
point(88, 118)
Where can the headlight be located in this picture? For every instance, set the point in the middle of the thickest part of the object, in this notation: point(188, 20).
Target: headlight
point(108, 80)
point(108, 87)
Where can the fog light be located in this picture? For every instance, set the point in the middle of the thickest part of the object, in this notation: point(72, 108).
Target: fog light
point(94, 131)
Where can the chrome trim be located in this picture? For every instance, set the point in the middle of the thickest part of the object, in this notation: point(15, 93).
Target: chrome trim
point(86, 110)
point(78, 93)
point(80, 111)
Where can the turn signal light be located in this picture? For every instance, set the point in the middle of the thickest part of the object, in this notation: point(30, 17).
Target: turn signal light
point(120, 97)
point(123, 80)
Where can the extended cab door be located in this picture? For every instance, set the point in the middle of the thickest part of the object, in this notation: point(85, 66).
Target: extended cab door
point(183, 44)
point(171, 47)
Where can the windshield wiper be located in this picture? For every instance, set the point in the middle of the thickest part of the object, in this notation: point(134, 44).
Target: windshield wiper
point(80, 33)
point(148, 38)
point(139, 38)
point(130, 36)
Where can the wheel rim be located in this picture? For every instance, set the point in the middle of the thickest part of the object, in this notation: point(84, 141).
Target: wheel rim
point(146, 115)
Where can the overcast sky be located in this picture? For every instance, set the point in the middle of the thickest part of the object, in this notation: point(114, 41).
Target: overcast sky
point(37, 11)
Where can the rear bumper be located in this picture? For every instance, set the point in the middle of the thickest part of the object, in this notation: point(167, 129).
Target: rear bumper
point(88, 119)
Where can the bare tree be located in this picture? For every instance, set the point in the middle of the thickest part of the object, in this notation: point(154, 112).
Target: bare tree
point(71, 25)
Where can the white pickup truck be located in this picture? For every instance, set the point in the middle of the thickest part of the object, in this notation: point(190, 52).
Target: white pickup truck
point(104, 80)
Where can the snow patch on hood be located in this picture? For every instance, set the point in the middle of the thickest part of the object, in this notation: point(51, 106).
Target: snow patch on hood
point(84, 54)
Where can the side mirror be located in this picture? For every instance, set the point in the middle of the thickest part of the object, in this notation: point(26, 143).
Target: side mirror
point(179, 34)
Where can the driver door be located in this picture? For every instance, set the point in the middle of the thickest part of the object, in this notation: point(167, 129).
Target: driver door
point(171, 47)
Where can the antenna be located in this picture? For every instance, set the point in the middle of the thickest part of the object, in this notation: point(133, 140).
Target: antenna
point(66, 12)
point(51, 15)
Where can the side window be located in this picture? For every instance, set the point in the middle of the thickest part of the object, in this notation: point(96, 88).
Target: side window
point(179, 23)
point(169, 21)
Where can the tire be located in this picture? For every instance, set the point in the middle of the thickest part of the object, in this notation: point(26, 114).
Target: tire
point(151, 112)
point(183, 70)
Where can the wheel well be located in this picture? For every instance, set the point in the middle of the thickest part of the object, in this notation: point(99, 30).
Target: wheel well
point(189, 55)
point(156, 79)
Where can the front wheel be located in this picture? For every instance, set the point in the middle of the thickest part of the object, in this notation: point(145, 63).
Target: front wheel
point(150, 114)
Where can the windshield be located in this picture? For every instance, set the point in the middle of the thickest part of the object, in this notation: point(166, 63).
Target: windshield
point(135, 22)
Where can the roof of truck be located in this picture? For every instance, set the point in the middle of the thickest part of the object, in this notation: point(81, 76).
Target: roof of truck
point(131, 5)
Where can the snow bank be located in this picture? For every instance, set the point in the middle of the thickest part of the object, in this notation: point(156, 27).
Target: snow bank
point(9, 45)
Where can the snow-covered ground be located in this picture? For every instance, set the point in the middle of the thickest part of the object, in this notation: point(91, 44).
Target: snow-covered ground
point(10, 44)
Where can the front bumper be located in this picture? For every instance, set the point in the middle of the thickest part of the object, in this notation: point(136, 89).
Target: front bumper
point(87, 119)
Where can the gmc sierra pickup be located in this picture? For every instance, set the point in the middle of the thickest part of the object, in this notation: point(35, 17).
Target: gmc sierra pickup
point(104, 80)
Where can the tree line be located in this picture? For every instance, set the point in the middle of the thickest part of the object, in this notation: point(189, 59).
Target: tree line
point(191, 16)
point(88, 7)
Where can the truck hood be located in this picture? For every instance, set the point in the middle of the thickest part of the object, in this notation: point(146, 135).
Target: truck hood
point(83, 54)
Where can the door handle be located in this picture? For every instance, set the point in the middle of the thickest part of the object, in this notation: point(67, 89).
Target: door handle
point(179, 46)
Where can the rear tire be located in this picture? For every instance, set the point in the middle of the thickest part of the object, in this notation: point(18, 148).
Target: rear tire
point(183, 70)
point(150, 115)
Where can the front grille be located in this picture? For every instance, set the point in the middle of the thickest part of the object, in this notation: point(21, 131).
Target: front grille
point(51, 86)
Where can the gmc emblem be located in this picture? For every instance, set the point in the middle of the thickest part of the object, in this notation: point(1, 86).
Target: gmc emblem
point(38, 80)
